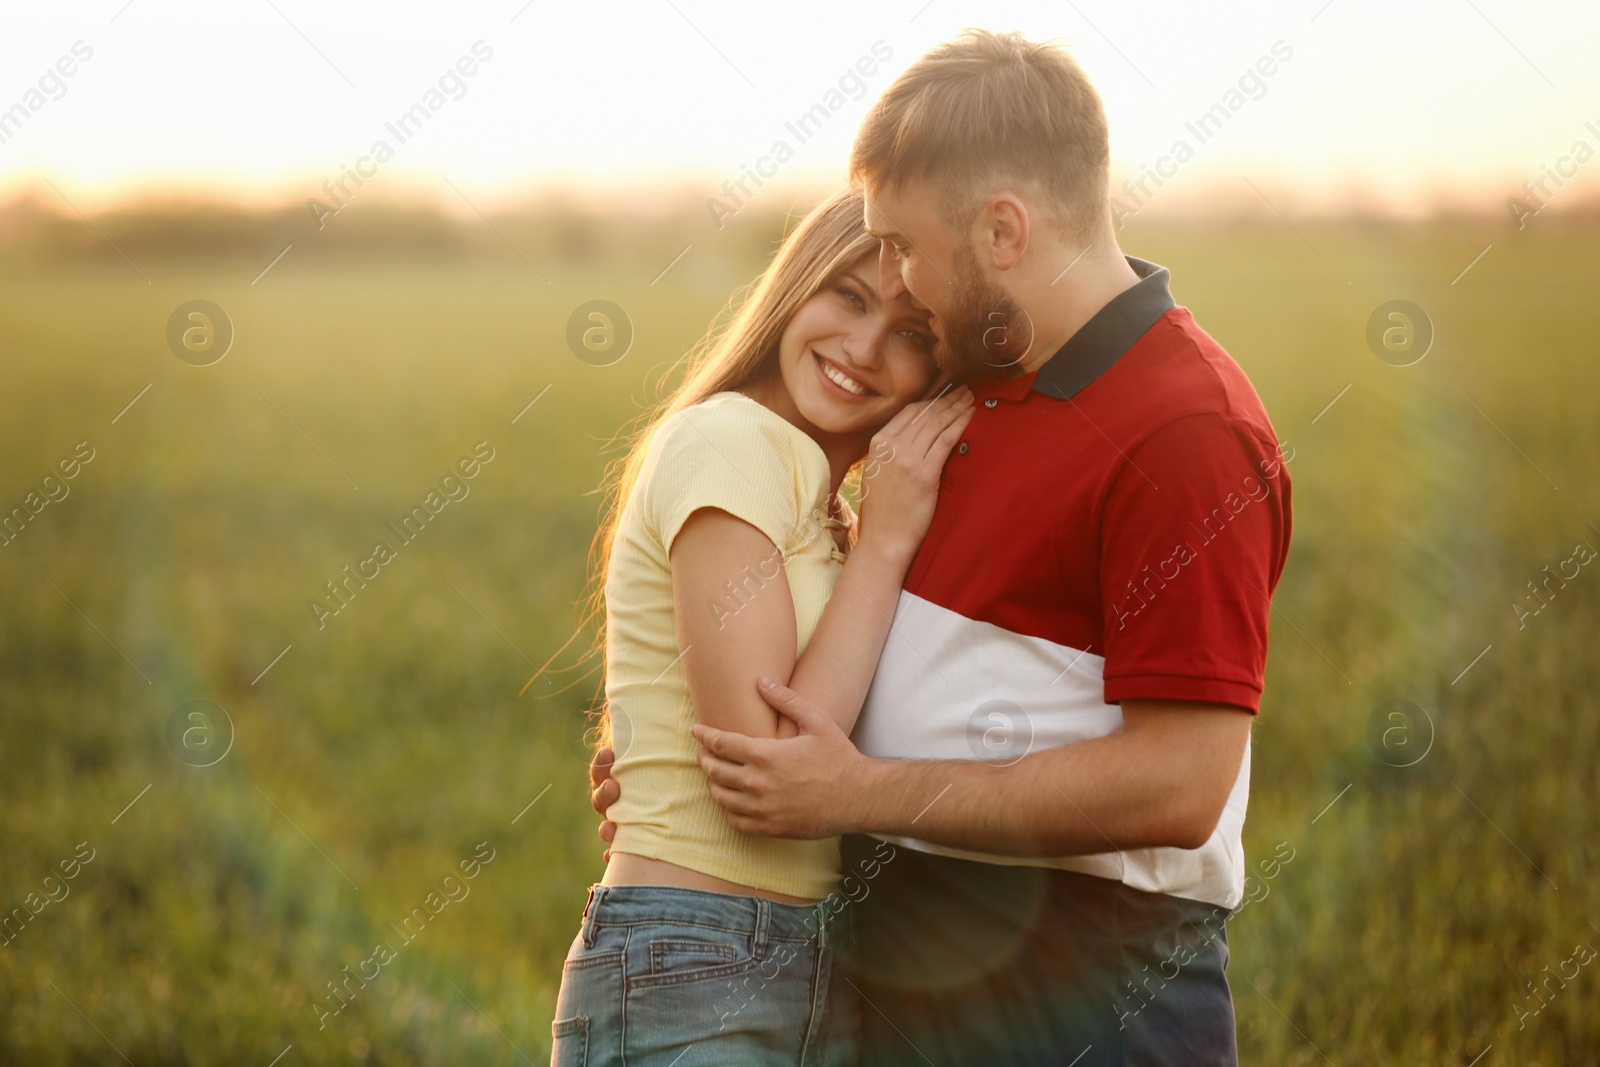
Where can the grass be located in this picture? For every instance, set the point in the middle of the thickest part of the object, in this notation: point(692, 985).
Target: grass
point(381, 750)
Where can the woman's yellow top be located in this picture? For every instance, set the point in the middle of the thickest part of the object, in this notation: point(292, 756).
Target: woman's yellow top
point(728, 452)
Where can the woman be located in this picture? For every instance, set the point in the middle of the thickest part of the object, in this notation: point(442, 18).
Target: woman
point(725, 539)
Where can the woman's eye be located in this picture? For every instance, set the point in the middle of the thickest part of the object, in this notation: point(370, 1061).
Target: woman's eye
point(852, 296)
point(921, 340)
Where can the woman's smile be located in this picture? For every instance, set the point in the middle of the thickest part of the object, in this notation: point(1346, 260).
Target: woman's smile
point(838, 382)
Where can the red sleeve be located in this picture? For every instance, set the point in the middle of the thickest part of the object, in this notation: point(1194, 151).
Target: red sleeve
point(1193, 537)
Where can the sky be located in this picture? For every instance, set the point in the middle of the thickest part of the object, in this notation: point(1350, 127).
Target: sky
point(1396, 104)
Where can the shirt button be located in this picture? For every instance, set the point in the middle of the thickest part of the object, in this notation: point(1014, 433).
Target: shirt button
point(991, 403)
point(962, 448)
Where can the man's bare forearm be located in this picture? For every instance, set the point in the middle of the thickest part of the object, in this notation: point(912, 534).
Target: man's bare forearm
point(1128, 790)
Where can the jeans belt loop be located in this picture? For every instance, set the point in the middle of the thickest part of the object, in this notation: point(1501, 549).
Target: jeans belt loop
point(763, 917)
point(596, 893)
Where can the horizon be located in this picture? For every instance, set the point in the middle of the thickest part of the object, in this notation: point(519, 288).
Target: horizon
point(691, 193)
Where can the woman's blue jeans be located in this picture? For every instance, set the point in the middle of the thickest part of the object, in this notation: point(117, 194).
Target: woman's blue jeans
point(665, 977)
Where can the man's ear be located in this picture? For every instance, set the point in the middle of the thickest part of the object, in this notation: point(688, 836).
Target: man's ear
point(1006, 228)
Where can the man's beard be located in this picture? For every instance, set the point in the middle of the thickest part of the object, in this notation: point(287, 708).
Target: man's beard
point(985, 329)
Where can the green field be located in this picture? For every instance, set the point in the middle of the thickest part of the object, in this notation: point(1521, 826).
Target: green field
point(380, 750)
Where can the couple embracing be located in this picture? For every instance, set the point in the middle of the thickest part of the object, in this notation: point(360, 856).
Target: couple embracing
point(960, 779)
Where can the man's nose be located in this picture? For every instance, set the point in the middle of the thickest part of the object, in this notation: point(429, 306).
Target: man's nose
point(890, 285)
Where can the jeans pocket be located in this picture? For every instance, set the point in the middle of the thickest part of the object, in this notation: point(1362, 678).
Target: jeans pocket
point(670, 955)
point(747, 1012)
point(570, 1047)
point(683, 954)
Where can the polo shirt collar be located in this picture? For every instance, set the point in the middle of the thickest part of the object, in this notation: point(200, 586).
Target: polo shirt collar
point(1113, 330)
point(1098, 344)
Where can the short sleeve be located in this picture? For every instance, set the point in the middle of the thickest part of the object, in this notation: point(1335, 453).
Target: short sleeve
point(727, 453)
point(1194, 535)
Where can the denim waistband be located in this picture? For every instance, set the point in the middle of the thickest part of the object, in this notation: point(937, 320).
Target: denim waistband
point(821, 923)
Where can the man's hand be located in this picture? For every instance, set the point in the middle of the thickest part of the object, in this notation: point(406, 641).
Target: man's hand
point(603, 792)
point(808, 786)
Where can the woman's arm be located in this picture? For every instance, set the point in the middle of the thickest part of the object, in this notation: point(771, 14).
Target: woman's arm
point(733, 621)
point(734, 611)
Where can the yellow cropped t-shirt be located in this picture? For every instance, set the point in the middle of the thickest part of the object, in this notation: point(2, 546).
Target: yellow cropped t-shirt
point(728, 452)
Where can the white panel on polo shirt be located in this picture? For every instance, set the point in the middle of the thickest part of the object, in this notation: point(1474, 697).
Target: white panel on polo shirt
point(948, 687)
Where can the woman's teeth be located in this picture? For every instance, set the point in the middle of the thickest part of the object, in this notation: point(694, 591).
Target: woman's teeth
point(842, 380)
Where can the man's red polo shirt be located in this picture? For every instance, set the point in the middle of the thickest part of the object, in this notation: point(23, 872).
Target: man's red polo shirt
point(1111, 527)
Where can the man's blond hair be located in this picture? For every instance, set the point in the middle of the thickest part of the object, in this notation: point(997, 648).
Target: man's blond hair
point(986, 110)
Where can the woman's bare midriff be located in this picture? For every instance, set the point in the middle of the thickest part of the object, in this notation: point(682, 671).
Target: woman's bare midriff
point(627, 869)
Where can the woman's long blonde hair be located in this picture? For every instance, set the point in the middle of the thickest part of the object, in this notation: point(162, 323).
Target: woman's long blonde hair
point(741, 347)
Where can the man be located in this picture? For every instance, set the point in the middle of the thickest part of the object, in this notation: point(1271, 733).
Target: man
point(1057, 737)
